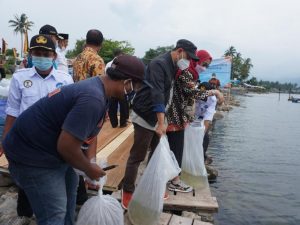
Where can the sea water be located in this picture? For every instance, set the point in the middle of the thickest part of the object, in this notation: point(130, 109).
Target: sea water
point(256, 150)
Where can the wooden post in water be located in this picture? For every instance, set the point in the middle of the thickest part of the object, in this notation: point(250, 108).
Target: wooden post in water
point(279, 94)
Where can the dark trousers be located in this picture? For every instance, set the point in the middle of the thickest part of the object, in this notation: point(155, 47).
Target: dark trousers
point(113, 110)
point(205, 143)
point(2, 71)
point(81, 192)
point(143, 140)
point(176, 142)
point(23, 205)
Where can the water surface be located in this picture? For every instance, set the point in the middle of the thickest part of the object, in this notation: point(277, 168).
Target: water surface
point(256, 149)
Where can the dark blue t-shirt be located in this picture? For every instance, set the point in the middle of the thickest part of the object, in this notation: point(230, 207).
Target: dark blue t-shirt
point(78, 109)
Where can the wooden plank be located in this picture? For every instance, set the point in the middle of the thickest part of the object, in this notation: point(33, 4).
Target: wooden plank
point(198, 200)
point(198, 222)
point(112, 146)
point(178, 220)
point(108, 134)
point(119, 157)
point(164, 219)
point(188, 202)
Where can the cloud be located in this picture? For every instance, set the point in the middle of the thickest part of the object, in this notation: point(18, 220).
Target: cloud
point(267, 31)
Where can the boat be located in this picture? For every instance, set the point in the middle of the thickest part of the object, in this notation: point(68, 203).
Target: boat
point(295, 100)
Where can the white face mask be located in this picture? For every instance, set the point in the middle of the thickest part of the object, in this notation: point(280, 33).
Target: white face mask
point(200, 69)
point(183, 63)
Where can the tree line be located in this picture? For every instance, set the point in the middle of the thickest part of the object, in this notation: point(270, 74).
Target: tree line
point(269, 85)
point(240, 66)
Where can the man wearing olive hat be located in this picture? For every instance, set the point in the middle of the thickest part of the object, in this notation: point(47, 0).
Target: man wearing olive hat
point(28, 86)
point(45, 142)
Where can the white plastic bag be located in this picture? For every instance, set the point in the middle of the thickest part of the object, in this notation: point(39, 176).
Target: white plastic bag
point(101, 210)
point(147, 200)
point(193, 157)
point(4, 87)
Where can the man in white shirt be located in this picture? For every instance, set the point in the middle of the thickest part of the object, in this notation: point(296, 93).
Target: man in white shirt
point(61, 61)
point(27, 87)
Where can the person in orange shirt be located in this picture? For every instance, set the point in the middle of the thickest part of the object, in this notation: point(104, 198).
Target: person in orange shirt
point(88, 63)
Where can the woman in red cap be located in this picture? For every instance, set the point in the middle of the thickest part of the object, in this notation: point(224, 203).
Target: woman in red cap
point(184, 93)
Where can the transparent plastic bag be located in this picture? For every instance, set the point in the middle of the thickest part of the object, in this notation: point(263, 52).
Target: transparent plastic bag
point(147, 200)
point(193, 158)
point(101, 209)
point(4, 87)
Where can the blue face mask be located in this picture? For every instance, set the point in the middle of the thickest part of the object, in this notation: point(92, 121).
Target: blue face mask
point(42, 63)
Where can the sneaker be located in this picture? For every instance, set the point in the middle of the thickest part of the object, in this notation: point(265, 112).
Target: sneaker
point(125, 198)
point(180, 187)
point(20, 220)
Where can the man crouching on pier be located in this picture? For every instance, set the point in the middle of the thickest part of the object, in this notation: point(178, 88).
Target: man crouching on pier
point(45, 142)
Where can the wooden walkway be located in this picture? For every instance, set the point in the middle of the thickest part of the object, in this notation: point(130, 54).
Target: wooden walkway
point(114, 144)
point(116, 151)
point(169, 219)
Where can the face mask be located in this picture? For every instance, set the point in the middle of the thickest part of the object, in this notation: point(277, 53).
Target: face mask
point(200, 69)
point(42, 63)
point(183, 63)
point(129, 96)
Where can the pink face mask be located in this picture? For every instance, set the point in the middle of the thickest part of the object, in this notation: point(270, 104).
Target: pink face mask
point(200, 69)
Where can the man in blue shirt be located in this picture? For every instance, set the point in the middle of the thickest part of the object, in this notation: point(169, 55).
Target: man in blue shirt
point(27, 86)
point(45, 141)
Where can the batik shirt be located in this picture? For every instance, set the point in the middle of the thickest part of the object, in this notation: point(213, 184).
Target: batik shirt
point(88, 64)
point(183, 93)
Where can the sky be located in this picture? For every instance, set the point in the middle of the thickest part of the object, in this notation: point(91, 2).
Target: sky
point(267, 31)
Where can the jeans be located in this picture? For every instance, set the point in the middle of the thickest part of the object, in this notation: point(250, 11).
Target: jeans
point(143, 140)
point(50, 191)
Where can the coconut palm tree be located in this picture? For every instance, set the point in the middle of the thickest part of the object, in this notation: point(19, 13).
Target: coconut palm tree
point(245, 69)
point(21, 25)
point(230, 52)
